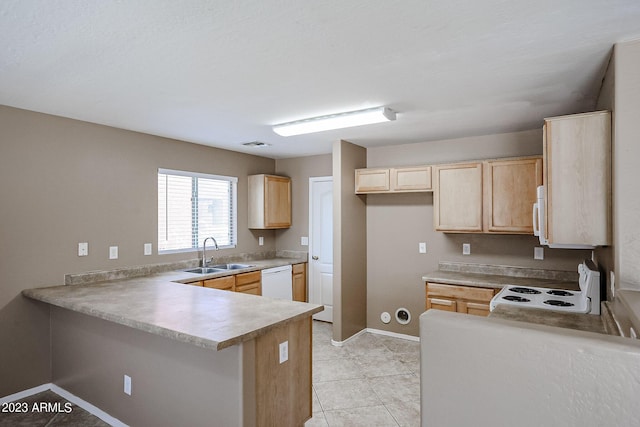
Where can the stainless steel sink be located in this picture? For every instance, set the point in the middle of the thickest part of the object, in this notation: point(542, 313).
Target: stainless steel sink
point(216, 268)
point(205, 270)
point(231, 266)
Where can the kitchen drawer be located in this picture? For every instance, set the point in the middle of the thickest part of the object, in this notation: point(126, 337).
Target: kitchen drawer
point(198, 283)
point(459, 292)
point(224, 283)
point(297, 268)
point(246, 278)
point(474, 308)
point(441, 304)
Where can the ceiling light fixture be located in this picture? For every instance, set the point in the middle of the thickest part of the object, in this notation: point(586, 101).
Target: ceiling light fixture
point(335, 121)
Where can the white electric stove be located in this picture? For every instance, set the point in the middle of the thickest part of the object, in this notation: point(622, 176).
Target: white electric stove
point(587, 300)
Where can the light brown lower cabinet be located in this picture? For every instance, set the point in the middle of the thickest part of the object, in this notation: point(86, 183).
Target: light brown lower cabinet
point(226, 283)
point(198, 283)
point(249, 283)
point(461, 299)
point(299, 282)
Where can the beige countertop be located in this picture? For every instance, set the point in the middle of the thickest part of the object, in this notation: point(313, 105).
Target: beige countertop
point(196, 315)
point(497, 276)
point(576, 321)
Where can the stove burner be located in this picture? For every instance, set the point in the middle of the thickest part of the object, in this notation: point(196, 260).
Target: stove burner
point(560, 293)
point(516, 298)
point(524, 290)
point(558, 303)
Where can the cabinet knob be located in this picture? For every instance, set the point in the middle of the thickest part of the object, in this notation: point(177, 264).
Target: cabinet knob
point(315, 258)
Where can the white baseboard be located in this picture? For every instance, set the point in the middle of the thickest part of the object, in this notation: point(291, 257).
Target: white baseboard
point(393, 334)
point(341, 343)
point(378, 332)
point(93, 410)
point(25, 393)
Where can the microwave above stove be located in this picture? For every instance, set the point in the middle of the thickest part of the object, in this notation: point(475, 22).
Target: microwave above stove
point(586, 300)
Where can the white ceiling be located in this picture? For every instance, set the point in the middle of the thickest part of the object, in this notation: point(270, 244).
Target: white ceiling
point(220, 73)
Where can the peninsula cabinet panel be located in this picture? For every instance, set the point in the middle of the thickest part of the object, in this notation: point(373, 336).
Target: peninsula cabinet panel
point(457, 199)
point(372, 180)
point(577, 161)
point(269, 202)
point(509, 194)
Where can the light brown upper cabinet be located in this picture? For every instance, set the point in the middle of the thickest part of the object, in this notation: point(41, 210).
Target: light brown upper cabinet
point(393, 180)
point(372, 181)
point(493, 196)
point(457, 201)
point(509, 194)
point(269, 201)
point(577, 179)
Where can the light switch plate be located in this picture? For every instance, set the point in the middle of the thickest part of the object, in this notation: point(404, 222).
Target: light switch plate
point(148, 249)
point(127, 385)
point(113, 252)
point(304, 241)
point(284, 351)
point(466, 249)
point(422, 247)
point(538, 253)
point(83, 249)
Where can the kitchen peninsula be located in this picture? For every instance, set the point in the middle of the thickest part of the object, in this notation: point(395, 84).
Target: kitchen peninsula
point(204, 355)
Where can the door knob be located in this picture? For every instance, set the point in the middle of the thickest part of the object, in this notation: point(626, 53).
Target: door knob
point(315, 258)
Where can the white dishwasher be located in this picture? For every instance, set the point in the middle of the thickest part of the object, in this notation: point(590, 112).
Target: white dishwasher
point(276, 282)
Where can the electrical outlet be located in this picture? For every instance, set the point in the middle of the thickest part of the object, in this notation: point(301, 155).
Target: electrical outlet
point(466, 249)
point(113, 252)
point(422, 247)
point(538, 253)
point(127, 385)
point(148, 249)
point(304, 241)
point(284, 351)
point(83, 249)
point(260, 241)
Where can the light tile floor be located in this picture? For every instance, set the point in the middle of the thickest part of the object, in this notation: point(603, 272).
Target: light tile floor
point(373, 380)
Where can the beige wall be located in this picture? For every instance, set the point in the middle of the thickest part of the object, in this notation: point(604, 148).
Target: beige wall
point(626, 209)
point(64, 181)
point(300, 169)
point(350, 243)
point(396, 223)
point(173, 383)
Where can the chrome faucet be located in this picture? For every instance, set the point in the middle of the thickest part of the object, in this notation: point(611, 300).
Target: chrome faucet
point(204, 250)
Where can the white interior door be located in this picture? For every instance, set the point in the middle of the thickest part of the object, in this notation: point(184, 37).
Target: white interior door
point(321, 245)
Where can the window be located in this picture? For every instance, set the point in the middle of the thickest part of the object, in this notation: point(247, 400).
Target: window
point(194, 206)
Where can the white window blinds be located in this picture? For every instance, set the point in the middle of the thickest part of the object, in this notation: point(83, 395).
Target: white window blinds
point(192, 207)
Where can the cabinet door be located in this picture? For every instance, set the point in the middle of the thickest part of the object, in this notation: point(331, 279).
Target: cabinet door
point(299, 282)
point(269, 202)
point(457, 199)
point(372, 180)
point(441, 304)
point(577, 157)
point(411, 179)
point(226, 283)
point(509, 194)
point(277, 201)
point(474, 308)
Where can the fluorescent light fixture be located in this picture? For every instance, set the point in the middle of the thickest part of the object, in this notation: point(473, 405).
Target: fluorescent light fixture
point(336, 121)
